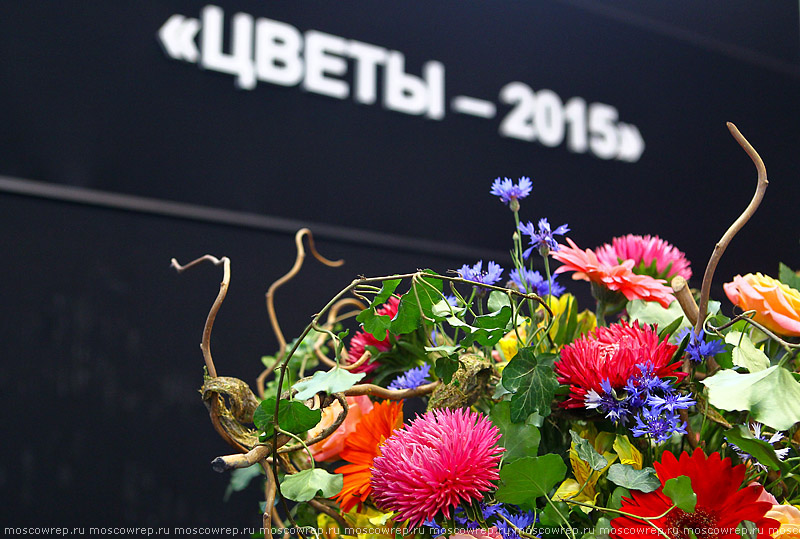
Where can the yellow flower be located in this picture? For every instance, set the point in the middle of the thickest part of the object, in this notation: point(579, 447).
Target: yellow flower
point(371, 522)
point(571, 488)
point(627, 453)
point(789, 518)
point(509, 345)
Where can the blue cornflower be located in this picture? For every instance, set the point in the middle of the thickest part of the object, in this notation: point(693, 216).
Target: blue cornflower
point(521, 520)
point(452, 300)
point(412, 379)
point(543, 239)
point(436, 530)
point(670, 401)
point(509, 192)
point(698, 349)
point(615, 409)
point(756, 429)
point(474, 273)
point(532, 281)
point(658, 426)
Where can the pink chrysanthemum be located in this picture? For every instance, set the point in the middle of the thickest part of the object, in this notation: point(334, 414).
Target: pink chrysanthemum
point(443, 458)
point(617, 278)
point(650, 254)
point(612, 353)
point(362, 339)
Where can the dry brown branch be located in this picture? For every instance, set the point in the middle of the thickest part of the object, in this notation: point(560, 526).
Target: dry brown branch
point(257, 454)
point(321, 507)
point(269, 497)
point(685, 298)
point(719, 248)
point(382, 392)
point(298, 263)
point(205, 344)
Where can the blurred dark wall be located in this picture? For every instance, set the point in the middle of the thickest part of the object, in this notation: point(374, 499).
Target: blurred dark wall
point(103, 422)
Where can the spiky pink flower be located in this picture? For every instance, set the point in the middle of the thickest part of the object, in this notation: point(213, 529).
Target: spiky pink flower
point(650, 254)
point(443, 458)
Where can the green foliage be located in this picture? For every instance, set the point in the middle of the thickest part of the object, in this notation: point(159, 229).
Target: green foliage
point(788, 277)
point(772, 396)
point(679, 490)
point(293, 416)
point(567, 324)
point(745, 354)
point(616, 497)
point(529, 478)
point(332, 381)
point(419, 300)
point(650, 312)
point(304, 486)
point(373, 323)
point(760, 449)
point(240, 478)
point(626, 476)
point(486, 330)
point(519, 439)
point(533, 382)
point(498, 300)
point(445, 367)
point(587, 452)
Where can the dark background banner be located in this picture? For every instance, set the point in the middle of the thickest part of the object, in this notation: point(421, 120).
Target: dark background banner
point(124, 143)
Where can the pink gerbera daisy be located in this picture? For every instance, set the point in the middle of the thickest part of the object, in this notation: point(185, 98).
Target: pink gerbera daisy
point(617, 278)
point(650, 254)
point(612, 353)
point(443, 458)
point(362, 339)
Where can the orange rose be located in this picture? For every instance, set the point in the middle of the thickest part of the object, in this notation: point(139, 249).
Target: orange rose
point(777, 306)
point(330, 447)
point(789, 518)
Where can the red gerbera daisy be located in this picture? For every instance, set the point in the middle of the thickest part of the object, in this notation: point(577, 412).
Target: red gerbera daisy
point(721, 504)
point(362, 447)
point(617, 278)
point(362, 339)
point(612, 353)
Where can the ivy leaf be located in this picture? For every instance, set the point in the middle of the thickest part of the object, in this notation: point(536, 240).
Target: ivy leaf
point(304, 486)
point(487, 330)
point(626, 476)
point(373, 323)
point(335, 380)
point(587, 452)
point(679, 490)
point(772, 396)
point(533, 383)
point(528, 478)
point(498, 300)
point(409, 317)
point(760, 449)
point(445, 368)
point(617, 495)
point(788, 277)
point(745, 354)
point(293, 416)
point(519, 439)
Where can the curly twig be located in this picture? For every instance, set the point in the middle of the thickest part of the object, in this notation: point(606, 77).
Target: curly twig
point(298, 263)
point(737, 225)
point(205, 344)
point(269, 503)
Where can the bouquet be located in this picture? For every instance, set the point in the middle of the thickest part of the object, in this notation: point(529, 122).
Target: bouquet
point(651, 414)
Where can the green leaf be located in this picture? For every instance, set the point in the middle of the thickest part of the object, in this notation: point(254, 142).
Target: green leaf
point(528, 478)
point(293, 416)
point(760, 449)
point(679, 490)
point(533, 383)
point(375, 324)
point(603, 528)
point(498, 300)
point(335, 380)
point(240, 478)
point(587, 452)
point(387, 289)
point(304, 486)
point(745, 354)
point(617, 495)
point(413, 305)
point(772, 396)
point(487, 330)
point(670, 329)
point(788, 277)
point(625, 475)
point(445, 368)
point(519, 439)
point(650, 312)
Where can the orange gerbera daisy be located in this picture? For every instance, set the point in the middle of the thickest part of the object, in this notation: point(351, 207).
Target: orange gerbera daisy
point(362, 447)
point(619, 278)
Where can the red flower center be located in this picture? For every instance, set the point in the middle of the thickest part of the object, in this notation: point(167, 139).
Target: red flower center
point(701, 524)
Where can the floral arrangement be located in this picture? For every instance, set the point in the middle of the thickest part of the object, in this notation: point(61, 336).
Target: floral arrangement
point(652, 414)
